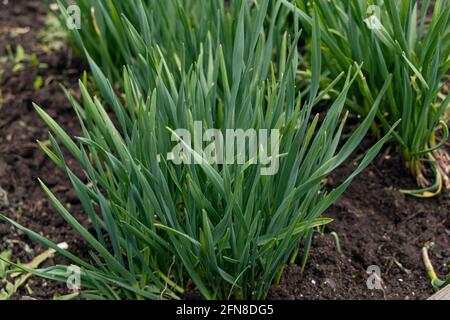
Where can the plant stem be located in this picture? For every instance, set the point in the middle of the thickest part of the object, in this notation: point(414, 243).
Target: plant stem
point(435, 281)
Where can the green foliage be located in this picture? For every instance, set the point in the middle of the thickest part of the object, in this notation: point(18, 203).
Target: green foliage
point(117, 33)
point(392, 38)
point(224, 229)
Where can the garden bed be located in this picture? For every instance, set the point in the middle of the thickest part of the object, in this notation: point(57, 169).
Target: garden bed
point(376, 224)
point(21, 159)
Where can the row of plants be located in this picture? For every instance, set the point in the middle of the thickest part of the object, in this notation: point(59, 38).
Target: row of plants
point(226, 230)
point(379, 38)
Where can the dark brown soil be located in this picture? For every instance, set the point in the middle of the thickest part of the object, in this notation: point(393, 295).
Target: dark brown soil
point(376, 224)
point(21, 159)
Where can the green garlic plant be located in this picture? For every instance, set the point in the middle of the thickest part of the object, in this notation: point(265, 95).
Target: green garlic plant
point(224, 229)
point(118, 33)
point(398, 39)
